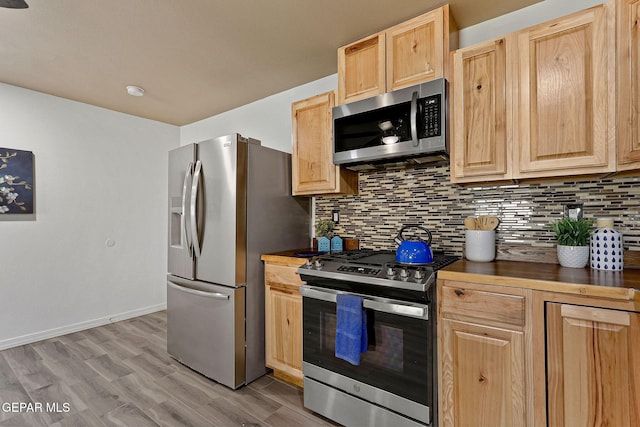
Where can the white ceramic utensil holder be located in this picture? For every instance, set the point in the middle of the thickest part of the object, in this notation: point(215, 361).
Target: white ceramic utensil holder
point(480, 245)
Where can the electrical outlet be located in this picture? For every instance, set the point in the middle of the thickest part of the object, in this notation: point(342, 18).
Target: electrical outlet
point(573, 211)
point(335, 215)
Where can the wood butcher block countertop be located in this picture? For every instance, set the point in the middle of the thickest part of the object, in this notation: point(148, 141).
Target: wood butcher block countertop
point(619, 285)
point(287, 257)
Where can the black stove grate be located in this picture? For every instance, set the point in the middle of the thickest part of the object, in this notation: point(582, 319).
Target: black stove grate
point(443, 260)
point(387, 258)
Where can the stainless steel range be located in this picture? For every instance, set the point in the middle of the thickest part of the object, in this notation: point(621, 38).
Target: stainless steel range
point(394, 382)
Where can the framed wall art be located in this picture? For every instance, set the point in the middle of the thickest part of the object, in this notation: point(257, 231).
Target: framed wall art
point(16, 181)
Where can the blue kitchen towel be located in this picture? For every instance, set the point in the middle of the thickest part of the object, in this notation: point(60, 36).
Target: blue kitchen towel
point(351, 328)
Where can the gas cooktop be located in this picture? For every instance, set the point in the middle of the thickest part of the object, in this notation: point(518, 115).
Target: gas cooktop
point(372, 267)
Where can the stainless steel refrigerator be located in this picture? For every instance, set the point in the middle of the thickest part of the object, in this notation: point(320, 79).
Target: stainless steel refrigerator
point(229, 202)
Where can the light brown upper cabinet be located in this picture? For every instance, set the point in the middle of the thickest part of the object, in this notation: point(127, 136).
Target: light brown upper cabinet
point(361, 72)
point(481, 133)
point(409, 53)
point(537, 103)
point(564, 111)
point(628, 65)
point(312, 168)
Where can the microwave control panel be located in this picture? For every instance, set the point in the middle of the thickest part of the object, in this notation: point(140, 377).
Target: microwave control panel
point(430, 116)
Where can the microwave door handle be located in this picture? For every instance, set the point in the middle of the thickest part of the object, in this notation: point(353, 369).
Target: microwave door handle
point(184, 216)
point(414, 119)
point(193, 209)
point(396, 307)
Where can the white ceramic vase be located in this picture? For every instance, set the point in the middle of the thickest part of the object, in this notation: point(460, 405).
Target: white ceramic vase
point(573, 256)
point(607, 250)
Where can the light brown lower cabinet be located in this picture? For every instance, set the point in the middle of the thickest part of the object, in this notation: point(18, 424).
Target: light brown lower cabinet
point(485, 385)
point(593, 366)
point(510, 356)
point(482, 377)
point(283, 322)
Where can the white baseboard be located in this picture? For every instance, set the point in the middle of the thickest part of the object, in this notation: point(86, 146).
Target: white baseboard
point(63, 330)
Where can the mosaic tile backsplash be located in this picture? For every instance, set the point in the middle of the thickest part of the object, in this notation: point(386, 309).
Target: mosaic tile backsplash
point(388, 199)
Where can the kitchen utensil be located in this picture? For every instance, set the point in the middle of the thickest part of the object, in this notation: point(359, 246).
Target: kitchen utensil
point(492, 222)
point(470, 223)
point(415, 251)
point(486, 222)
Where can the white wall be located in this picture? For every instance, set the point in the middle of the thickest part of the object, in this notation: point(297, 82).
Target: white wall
point(99, 175)
point(523, 18)
point(268, 119)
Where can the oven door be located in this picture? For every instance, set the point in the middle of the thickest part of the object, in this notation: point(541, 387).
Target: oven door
point(399, 357)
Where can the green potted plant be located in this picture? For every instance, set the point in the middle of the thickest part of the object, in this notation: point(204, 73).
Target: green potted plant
point(324, 228)
point(324, 233)
point(573, 241)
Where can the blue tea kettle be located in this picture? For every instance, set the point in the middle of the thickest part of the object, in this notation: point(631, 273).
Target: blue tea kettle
point(415, 251)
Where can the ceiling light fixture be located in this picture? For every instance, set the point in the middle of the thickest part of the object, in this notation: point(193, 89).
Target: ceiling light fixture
point(14, 4)
point(135, 91)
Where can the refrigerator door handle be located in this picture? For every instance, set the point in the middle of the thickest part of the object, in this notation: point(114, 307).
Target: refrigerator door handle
point(185, 218)
point(214, 295)
point(193, 208)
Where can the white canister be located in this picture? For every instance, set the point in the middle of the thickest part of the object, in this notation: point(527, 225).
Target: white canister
point(606, 251)
point(480, 245)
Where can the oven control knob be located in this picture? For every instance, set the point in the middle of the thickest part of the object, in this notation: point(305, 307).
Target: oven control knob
point(308, 264)
point(318, 264)
point(391, 272)
point(404, 273)
point(418, 274)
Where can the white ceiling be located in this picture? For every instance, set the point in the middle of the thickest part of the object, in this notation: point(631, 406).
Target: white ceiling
point(194, 58)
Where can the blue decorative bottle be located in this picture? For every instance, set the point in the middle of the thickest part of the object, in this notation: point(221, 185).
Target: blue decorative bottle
point(336, 244)
point(324, 244)
point(606, 249)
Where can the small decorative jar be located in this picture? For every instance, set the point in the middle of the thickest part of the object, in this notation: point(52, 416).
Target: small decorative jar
point(336, 244)
point(324, 244)
point(606, 249)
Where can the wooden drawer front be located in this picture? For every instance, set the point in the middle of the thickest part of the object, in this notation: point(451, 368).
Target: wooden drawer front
point(483, 305)
point(283, 275)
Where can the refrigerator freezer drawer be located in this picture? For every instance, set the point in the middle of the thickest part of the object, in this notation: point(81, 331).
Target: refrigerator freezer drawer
point(205, 329)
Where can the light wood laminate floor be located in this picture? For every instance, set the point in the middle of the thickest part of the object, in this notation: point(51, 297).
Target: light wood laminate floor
point(121, 375)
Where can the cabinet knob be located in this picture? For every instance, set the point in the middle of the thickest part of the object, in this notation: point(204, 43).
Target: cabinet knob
point(459, 292)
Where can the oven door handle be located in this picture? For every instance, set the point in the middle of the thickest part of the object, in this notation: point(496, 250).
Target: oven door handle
point(402, 308)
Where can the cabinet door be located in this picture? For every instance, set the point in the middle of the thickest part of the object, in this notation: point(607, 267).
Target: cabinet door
point(565, 109)
point(481, 113)
point(593, 366)
point(415, 50)
point(361, 69)
point(482, 375)
point(283, 331)
point(628, 66)
point(312, 168)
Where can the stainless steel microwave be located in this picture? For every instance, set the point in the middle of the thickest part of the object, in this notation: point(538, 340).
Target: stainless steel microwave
point(408, 124)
